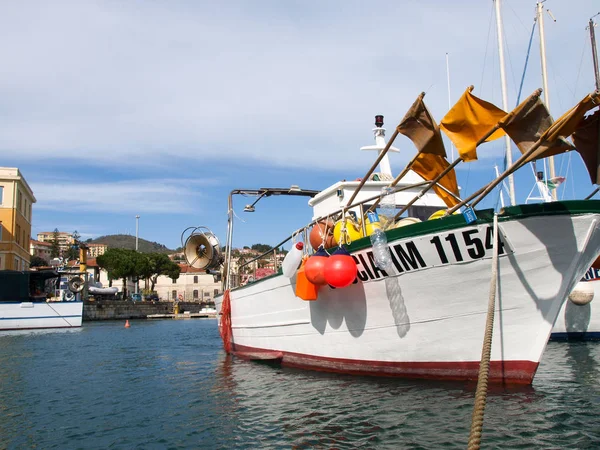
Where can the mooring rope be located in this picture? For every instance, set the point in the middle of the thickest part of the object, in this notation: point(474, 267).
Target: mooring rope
point(484, 365)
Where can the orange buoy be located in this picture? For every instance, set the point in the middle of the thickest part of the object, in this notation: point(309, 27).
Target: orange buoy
point(322, 235)
point(127, 324)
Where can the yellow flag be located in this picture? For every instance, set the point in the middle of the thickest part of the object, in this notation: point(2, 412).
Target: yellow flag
point(429, 166)
point(469, 120)
point(418, 125)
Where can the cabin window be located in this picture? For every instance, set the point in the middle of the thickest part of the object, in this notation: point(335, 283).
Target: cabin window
point(196, 279)
point(195, 293)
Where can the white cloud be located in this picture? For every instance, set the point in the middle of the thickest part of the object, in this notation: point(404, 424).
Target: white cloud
point(142, 196)
point(279, 82)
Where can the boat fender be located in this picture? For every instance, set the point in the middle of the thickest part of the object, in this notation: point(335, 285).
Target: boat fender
point(315, 267)
point(340, 269)
point(351, 233)
point(321, 234)
point(582, 294)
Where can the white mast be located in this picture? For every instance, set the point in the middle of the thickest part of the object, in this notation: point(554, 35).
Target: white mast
point(379, 131)
point(540, 19)
point(511, 181)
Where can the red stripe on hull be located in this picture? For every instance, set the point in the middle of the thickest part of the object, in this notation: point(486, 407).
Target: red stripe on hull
point(507, 372)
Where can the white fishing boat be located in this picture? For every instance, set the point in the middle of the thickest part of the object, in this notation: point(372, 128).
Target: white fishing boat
point(28, 301)
point(422, 313)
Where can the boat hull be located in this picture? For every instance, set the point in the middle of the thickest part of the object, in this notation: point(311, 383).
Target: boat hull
point(36, 315)
point(427, 318)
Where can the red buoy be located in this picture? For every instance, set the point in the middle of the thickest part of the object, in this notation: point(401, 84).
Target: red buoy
point(340, 269)
point(315, 267)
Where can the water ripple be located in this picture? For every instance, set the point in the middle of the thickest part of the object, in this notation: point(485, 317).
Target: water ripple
point(168, 384)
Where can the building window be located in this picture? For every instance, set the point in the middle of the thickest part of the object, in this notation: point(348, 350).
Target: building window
point(216, 292)
point(207, 294)
point(174, 280)
point(1, 194)
point(174, 295)
point(196, 293)
point(196, 279)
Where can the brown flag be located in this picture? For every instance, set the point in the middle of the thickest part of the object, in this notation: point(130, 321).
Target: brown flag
point(526, 127)
point(587, 142)
point(419, 127)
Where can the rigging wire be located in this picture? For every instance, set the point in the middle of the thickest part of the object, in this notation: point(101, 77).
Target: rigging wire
point(487, 46)
point(526, 62)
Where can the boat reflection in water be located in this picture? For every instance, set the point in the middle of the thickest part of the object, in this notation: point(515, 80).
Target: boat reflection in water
point(289, 408)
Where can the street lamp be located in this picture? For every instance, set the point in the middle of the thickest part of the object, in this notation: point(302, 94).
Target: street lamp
point(137, 230)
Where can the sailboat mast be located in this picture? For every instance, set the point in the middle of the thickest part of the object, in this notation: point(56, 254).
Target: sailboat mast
point(540, 19)
point(594, 53)
point(511, 181)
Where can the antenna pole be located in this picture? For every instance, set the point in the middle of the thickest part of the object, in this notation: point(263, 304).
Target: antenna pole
point(511, 181)
point(540, 18)
point(594, 52)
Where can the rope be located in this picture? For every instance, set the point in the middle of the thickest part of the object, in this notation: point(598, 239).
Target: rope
point(484, 365)
point(225, 322)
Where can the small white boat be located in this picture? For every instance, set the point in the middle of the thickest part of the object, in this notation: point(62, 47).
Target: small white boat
point(24, 304)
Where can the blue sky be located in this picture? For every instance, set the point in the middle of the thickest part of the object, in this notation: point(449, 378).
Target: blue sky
point(156, 108)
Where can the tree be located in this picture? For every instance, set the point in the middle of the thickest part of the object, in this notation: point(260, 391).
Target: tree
point(73, 251)
point(55, 247)
point(37, 261)
point(121, 263)
point(261, 248)
point(159, 264)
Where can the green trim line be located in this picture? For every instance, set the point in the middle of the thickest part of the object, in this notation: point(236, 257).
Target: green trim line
point(572, 207)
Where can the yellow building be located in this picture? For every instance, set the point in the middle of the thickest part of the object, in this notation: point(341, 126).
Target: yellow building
point(16, 200)
point(95, 250)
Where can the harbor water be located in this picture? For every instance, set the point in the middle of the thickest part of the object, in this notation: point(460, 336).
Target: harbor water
point(168, 384)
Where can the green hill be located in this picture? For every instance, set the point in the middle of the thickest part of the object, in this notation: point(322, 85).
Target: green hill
point(127, 241)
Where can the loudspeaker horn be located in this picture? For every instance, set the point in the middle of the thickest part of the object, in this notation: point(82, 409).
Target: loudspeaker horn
point(202, 251)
